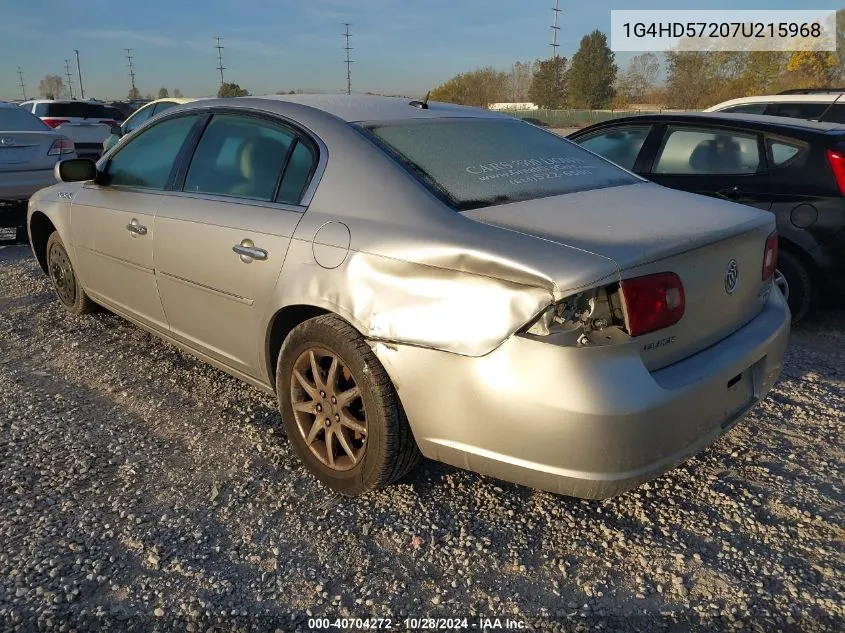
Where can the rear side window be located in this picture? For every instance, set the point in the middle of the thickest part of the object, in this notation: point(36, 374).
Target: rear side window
point(75, 109)
point(297, 174)
point(700, 151)
point(15, 119)
point(137, 119)
point(239, 156)
point(836, 114)
point(620, 145)
point(782, 151)
point(474, 163)
point(147, 160)
point(800, 110)
point(161, 107)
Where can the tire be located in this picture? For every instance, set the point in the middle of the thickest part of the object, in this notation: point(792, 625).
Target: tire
point(381, 455)
point(802, 288)
point(65, 282)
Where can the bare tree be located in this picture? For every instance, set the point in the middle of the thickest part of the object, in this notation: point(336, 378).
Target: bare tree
point(520, 76)
point(51, 87)
point(637, 82)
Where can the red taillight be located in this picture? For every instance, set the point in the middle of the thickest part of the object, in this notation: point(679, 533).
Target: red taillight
point(61, 146)
point(653, 302)
point(837, 165)
point(770, 256)
point(54, 122)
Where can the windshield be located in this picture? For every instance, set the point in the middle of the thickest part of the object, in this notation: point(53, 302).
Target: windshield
point(15, 119)
point(473, 163)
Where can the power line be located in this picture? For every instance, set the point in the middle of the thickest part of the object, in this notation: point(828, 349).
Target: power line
point(555, 29)
point(79, 73)
point(220, 65)
point(129, 58)
point(23, 86)
point(69, 78)
point(349, 62)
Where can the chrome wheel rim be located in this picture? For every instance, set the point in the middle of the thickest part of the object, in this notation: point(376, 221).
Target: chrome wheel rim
point(61, 272)
point(328, 409)
point(782, 285)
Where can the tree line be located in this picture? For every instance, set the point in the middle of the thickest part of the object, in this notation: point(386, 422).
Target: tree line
point(687, 80)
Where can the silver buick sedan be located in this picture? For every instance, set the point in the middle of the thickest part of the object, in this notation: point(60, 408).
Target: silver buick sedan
point(414, 278)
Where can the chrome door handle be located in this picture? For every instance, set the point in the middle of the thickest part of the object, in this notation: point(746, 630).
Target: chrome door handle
point(136, 228)
point(248, 251)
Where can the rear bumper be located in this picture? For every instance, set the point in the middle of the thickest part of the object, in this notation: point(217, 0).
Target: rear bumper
point(20, 185)
point(588, 422)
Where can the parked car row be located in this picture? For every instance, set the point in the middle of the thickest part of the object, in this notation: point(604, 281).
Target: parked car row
point(422, 278)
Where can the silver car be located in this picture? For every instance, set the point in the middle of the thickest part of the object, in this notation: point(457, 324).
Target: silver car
point(421, 278)
point(29, 151)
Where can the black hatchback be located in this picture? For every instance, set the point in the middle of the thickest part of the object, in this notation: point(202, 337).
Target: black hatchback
point(792, 167)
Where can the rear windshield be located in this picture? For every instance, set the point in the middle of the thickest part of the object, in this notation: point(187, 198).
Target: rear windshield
point(17, 119)
point(78, 109)
point(473, 163)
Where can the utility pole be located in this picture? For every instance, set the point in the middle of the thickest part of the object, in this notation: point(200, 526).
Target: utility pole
point(220, 65)
point(23, 86)
point(129, 58)
point(555, 29)
point(349, 62)
point(69, 78)
point(79, 73)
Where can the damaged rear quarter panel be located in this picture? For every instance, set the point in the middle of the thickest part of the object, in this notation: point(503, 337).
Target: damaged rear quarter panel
point(417, 272)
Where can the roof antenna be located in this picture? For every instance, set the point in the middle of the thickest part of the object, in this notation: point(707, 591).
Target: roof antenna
point(422, 105)
point(827, 109)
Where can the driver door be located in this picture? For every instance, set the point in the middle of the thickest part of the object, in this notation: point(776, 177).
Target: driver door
point(113, 222)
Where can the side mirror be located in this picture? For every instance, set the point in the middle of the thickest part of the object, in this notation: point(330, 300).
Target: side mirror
point(116, 130)
point(75, 170)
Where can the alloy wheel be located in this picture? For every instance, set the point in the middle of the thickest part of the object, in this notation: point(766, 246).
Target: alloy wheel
point(329, 409)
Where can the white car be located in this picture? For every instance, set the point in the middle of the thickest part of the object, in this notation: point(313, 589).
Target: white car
point(812, 104)
point(86, 123)
point(29, 150)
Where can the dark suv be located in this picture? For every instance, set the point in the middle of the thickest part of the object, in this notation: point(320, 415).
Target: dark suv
point(791, 167)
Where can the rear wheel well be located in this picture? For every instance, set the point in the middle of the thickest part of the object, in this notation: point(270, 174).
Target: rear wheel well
point(40, 229)
point(793, 249)
point(283, 322)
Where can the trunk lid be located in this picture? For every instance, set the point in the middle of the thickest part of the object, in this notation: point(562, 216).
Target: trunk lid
point(645, 229)
point(26, 150)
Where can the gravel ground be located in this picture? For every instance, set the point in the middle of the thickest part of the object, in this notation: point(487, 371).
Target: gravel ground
point(143, 490)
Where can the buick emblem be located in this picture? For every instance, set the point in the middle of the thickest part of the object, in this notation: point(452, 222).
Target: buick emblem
point(7, 140)
point(731, 277)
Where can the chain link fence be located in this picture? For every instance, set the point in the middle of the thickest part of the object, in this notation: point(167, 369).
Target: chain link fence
point(575, 118)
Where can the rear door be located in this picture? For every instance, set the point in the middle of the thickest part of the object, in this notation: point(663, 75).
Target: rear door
point(113, 223)
point(713, 161)
point(220, 244)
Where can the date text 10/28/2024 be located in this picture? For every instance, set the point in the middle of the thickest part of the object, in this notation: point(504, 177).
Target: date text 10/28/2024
point(418, 624)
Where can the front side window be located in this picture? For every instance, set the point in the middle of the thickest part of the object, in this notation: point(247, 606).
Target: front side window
point(147, 160)
point(471, 163)
point(239, 156)
point(619, 145)
point(700, 151)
